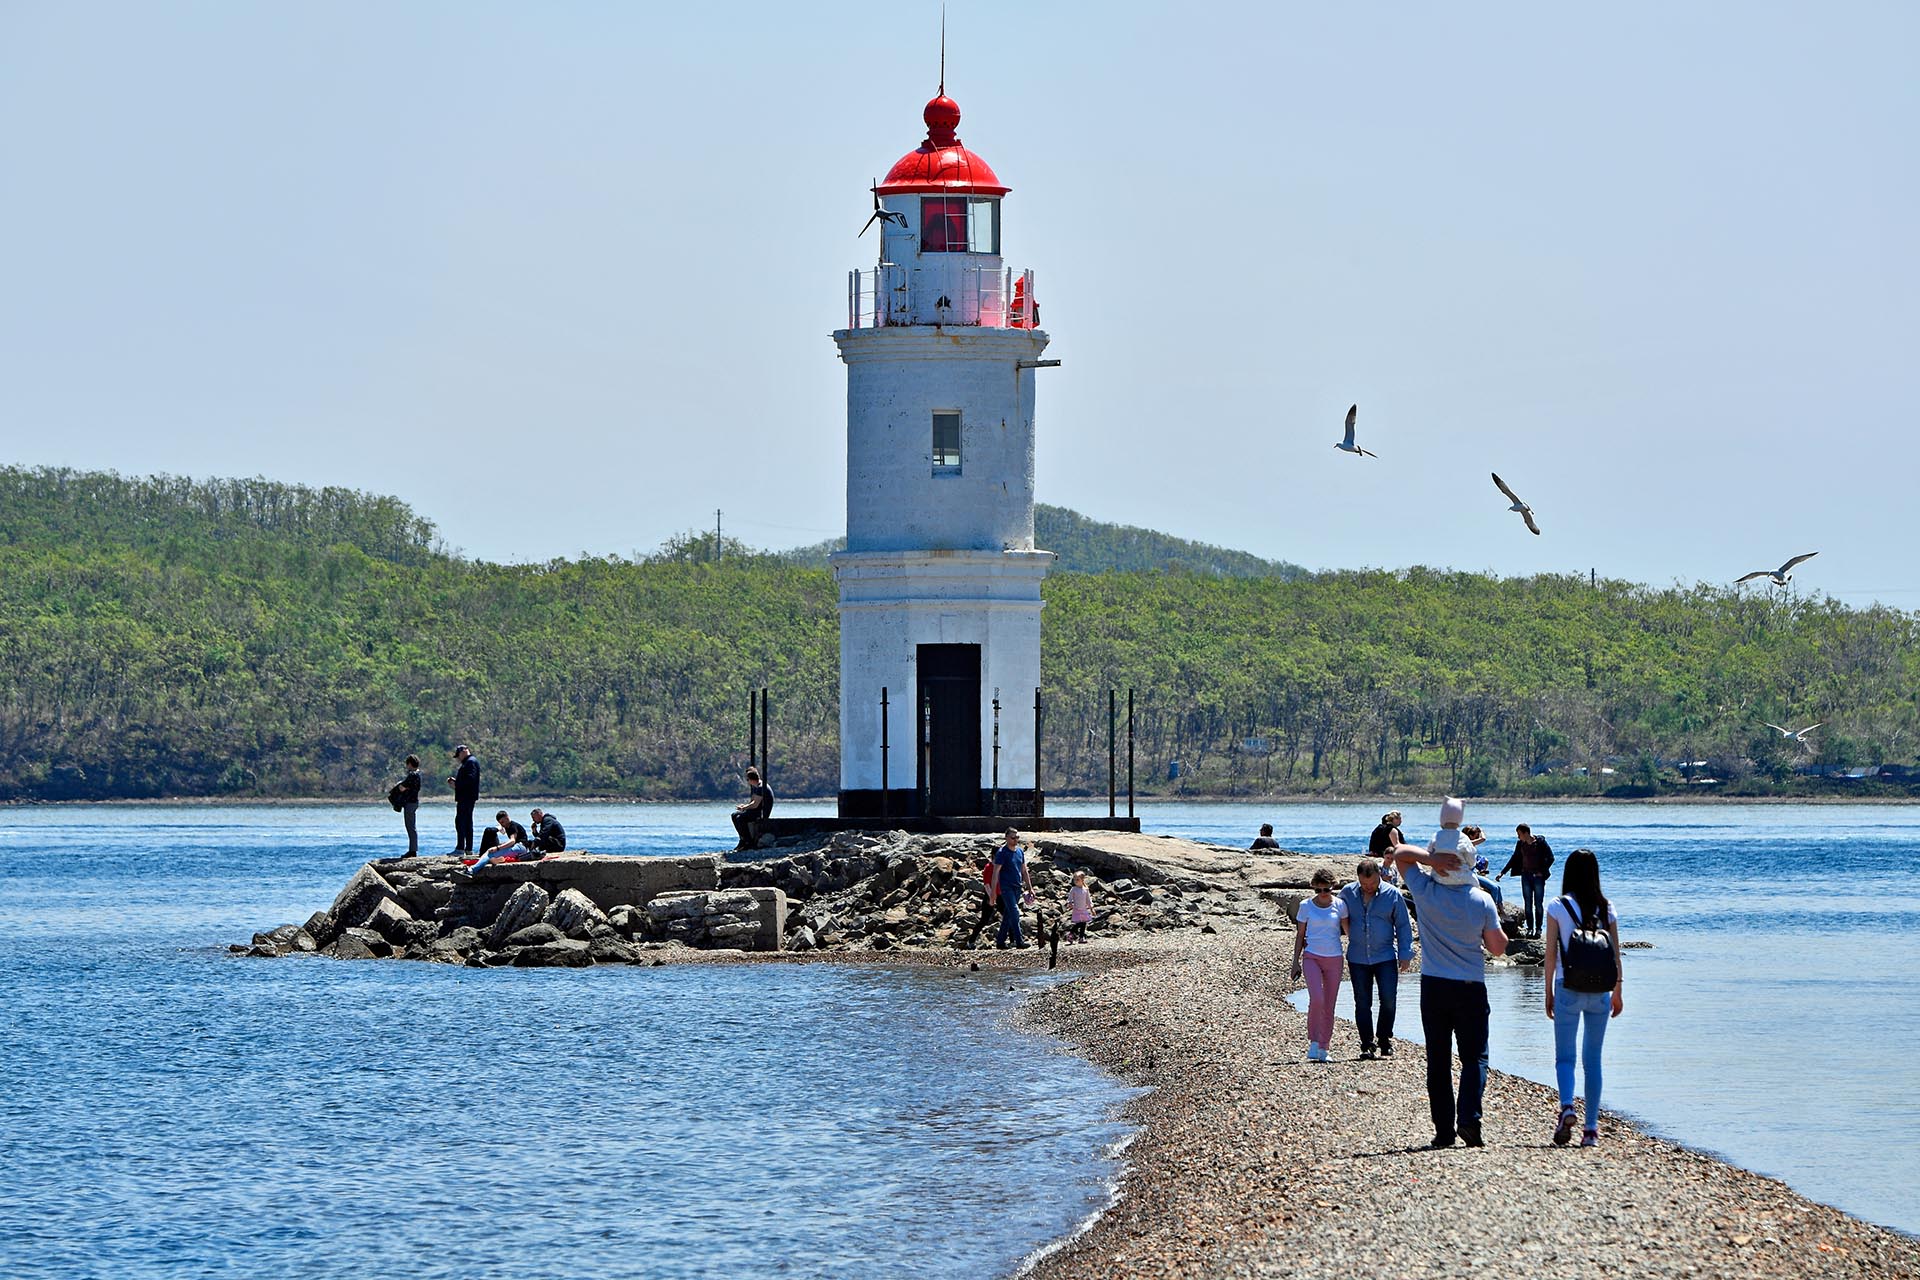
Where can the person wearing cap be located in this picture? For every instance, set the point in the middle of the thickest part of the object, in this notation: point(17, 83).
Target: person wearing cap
point(465, 781)
point(1457, 920)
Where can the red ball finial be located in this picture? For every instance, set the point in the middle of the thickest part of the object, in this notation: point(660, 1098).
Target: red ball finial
point(943, 117)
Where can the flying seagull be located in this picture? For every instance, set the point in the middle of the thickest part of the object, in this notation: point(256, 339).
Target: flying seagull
point(882, 215)
point(1348, 445)
point(1779, 577)
point(1798, 735)
point(1526, 512)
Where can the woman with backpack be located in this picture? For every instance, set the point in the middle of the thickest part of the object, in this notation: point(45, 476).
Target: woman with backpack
point(1584, 977)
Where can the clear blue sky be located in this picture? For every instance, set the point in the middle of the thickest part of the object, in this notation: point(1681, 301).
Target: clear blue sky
point(562, 276)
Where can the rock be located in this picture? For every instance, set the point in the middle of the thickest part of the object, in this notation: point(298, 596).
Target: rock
point(367, 889)
point(608, 949)
point(266, 942)
point(564, 953)
point(422, 896)
point(535, 935)
point(303, 942)
point(1513, 918)
point(348, 947)
point(526, 905)
point(574, 914)
point(802, 940)
point(239, 948)
point(390, 920)
point(627, 919)
point(677, 906)
point(264, 951)
point(322, 928)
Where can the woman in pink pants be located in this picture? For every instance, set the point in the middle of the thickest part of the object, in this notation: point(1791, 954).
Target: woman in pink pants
point(1321, 920)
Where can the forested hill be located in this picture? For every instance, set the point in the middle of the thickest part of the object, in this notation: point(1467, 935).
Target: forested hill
point(243, 638)
point(1092, 546)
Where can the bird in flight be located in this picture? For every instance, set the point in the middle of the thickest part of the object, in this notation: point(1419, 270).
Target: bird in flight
point(1797, 735)
point(882, 215)
point(1779, 577)
point(1526, 512)
point(1348, 445)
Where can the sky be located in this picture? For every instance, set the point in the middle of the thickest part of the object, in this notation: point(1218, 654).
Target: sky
point(563, 277)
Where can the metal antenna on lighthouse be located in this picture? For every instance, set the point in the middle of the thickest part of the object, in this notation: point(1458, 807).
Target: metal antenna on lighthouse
point(943, 50)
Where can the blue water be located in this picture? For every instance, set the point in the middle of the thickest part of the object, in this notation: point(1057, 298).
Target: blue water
point(173, 1111)
point(1776, 1022)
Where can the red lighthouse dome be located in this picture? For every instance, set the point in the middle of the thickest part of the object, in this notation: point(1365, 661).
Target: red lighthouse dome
point(941, 163)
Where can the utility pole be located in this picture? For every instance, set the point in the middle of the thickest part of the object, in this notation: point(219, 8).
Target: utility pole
point(716, 535)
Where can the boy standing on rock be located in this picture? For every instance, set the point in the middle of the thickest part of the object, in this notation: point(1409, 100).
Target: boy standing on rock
point(1455, 921)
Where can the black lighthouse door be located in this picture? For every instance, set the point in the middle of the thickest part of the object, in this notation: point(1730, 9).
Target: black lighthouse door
point(950, 727)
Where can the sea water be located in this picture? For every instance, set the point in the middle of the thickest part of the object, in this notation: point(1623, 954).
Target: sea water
point(1775, 1021)
point(171, 1110)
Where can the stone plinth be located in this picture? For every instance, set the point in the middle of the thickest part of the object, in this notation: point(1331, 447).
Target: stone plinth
point(607, 880)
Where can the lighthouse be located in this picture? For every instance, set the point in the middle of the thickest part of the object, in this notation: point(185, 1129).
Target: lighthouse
point(939, 586)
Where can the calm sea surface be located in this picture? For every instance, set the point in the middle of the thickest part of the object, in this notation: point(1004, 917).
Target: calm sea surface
point(171, 1111)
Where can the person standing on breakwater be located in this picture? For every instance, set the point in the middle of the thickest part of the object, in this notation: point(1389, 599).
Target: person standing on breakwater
point(1380, 844)
point(409, 801)
point(1012, 880)
point(1320, 921)
point(1584, 976)
point(1456, 919)
point(1379, 950)
point(1533, 859)
point(756, 808)
point(1265, 839)
point(465, 781)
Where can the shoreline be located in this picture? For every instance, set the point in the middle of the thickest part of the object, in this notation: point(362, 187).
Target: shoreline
point(1219, 1179)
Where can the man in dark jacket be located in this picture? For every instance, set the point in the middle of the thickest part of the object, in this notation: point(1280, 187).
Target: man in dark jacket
point(1532, 859)
point(548, 835)
point(755, 809)
point(465, 781)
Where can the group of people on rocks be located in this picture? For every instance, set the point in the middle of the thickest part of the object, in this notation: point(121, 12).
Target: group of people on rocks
point(1368, 925)
point(1009, 887)
point(504, 841)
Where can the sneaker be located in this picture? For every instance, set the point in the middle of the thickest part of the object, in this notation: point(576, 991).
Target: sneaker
point(1590, 1138)
point(1316, 1054)
point(1470, 1134)
point(1563, 1131)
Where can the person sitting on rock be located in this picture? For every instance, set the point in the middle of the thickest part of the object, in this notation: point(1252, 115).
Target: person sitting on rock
point(548, 836)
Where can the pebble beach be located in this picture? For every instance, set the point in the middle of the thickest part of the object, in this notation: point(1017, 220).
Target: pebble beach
point(1251, 1162)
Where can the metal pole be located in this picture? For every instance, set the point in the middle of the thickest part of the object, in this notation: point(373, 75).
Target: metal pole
point(993, 805)
point(753, 727)
point(1129, 753)
point(1039, 804)
point(926, 752)
point(1112, 731)
point(883, 751)
point(766, 718)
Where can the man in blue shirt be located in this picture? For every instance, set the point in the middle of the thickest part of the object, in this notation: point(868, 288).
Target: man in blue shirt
point(1455, 922)
point(1011, 879)
point(1379, 949)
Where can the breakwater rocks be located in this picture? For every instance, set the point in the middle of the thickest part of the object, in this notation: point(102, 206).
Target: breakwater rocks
point(855, 891)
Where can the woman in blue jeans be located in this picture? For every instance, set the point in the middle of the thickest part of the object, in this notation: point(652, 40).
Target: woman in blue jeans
point(1583, 944)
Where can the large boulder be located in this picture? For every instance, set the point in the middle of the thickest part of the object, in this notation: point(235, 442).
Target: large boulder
point(322, 928)
point(525, 906)
point(574, 914)
point(349, 946)
point(366, 890)
point(564, 953)
point(391, 921)
point(535, 935)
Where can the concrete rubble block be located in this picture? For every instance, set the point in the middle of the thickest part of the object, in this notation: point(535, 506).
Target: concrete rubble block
point(526, 905)
point(363, 892)
point(391, 921)
point(565, 953)
point(627, 918)
point(348, 946)
point(322, 928)
point(677, 906)
point(535, 935)
point(611, 950)
point(609, 881)
point(574, 914)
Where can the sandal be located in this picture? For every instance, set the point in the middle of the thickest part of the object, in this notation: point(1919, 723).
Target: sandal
point(1563, 1131)
point(1590, 1138)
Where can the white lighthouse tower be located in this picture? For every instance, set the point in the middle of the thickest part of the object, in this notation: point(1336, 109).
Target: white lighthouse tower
point(940, 581)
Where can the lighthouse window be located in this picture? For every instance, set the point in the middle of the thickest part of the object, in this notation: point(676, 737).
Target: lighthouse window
point(959, 224)
point(946, 444)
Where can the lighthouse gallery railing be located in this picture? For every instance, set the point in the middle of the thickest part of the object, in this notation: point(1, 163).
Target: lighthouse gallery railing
point(986, 297)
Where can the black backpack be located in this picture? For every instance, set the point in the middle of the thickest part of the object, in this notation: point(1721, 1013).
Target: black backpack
point(397, 796)
point(1586, 955)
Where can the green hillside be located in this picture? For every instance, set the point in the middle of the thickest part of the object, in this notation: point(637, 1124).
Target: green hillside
point(1091, 546)
point(244, 638)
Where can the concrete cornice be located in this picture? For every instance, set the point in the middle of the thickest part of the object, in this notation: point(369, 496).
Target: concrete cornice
point(939, 342)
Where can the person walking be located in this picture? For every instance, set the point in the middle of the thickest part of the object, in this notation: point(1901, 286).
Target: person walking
point(1584, 976)
point(1456, 921)
point(465, 781)
point(1379, 950)
point(409, 801)
point(1012, 879)
point(1532, 859)
point(1320, 921)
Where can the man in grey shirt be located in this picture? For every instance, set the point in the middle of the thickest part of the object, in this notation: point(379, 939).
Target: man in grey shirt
point(1455, 922)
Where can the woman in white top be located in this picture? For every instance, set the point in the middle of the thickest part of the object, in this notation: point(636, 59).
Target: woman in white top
point(1584, 978)
point(1321, 921)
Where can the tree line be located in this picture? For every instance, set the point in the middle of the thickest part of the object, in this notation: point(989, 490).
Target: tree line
point(162, 636)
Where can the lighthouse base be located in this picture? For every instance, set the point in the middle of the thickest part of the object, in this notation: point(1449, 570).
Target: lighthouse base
point(944, 824)
point(1021, 803)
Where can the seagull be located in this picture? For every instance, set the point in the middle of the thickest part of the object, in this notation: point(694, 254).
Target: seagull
point(1348, 445)
point(1779, 577)
point(1798, 735)
point(882, 215)
point(1526, 512)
